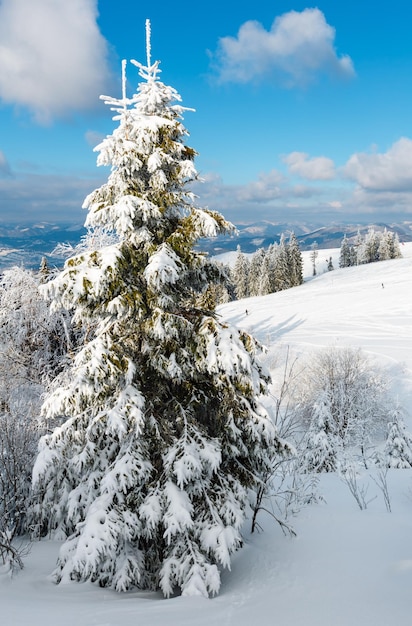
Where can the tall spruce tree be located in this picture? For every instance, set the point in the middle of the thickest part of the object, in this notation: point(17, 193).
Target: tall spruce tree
point(240, 275)
point(281, 267)
point(255, 272)
point(345, 256)
point(295, 261)
point(149, 477)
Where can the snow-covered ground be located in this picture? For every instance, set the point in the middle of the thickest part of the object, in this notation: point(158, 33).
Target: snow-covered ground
point(346, 567)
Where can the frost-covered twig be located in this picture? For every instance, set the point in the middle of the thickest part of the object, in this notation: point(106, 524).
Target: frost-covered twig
point(12, 554)
point(359, 492)
point(284, 493)
point(382, 483)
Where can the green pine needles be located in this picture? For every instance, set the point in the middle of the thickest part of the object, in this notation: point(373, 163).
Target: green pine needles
point(148, 478)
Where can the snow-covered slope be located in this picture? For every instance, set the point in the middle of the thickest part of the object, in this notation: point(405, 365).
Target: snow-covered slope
point(368, 306)
point(346, 567)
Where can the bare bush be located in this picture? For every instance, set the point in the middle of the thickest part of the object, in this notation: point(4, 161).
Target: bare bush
point(381, 481)
point(359, 491)
point(33, 348)
point(18, 447)
point(284, 493)
point(354, 395)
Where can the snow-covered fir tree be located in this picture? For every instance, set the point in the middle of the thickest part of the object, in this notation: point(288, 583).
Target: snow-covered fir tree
point(346, 256)
point(255, 272)
point(374, 246)
point(240, 275)
point(384, 251)
point(266, 277)
point(281, 267)
point(295, 261)
point(369, 251)
point(149, 477)
point(320, 446)
point(398, 447)
point(278, 267)
point(391, 246)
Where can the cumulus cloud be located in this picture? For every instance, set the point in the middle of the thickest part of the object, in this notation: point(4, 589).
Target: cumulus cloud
point(315, 168)
point(298, 47)
point(266, 188)
point(270, 196)
point(389, 171)
point(53, 58)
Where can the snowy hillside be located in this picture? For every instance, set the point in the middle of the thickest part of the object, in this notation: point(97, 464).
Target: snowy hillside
point(346, 567)
point(367, 306)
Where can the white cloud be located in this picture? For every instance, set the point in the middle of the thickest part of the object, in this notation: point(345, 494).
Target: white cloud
point(297, 48)
point(315, 168)
point(266, 188)
point(389, 171)
point(53, 58)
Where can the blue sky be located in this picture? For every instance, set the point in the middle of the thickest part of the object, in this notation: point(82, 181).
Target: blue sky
point(302, 111)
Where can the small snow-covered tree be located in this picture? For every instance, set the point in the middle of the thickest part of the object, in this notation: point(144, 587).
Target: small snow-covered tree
point(313, 256)
point(149, 476)
point(266, 282)
point(371, 245)
point(384, 251)
point(320, 446)
point(281, 267)
point(390, 242)
point(345, 257)
point(295, 261)
point(356, 392)
point(240, 275)
point(255, 272)
point(398, 447)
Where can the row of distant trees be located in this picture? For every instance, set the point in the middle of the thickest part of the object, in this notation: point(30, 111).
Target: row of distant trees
point(280, 266)
point(269, 270)
point(374, 246)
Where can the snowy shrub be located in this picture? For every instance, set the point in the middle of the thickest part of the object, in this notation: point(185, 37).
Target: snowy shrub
point(320, 444)
point(344, 401)
point(356, 485)
point(18, 446)
point(397, 452)
point(32, 351)
point(284, 491)
point(286, 487)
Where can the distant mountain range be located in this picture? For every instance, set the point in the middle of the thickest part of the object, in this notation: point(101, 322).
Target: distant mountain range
point(261, 234)
point(27, 244)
